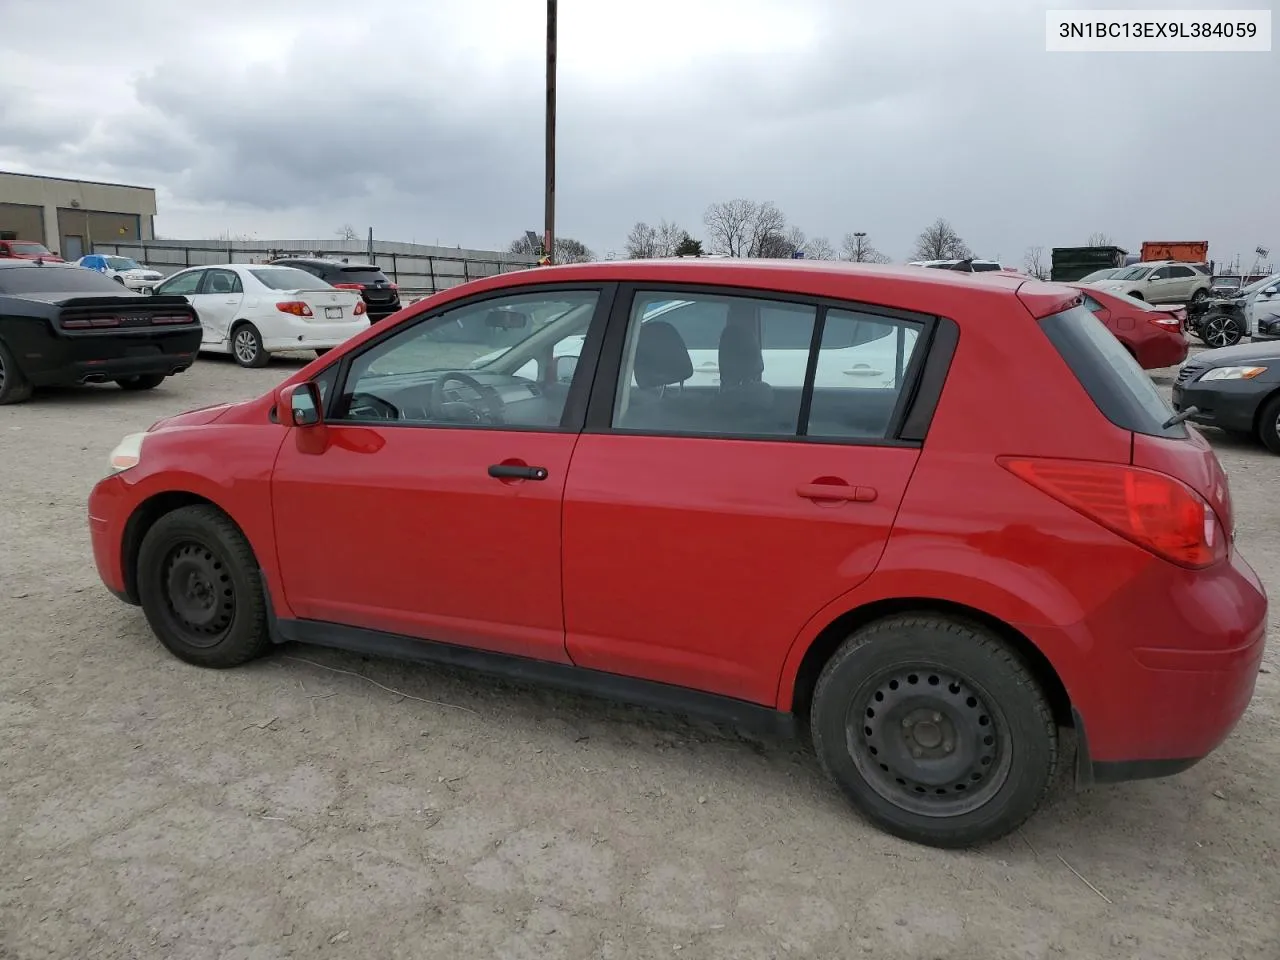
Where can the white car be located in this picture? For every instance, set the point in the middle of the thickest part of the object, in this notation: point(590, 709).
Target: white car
point(963, 266)
point(852, 354)
point(124, 270)
point(252, 311)
point(1163, 281)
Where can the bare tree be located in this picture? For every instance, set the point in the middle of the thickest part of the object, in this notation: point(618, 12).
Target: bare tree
point(819, 248)
point(347, 232)
point(858, 248)
point(568, 250)
point(729, 226)
point(1033, 263)
point(1100, 239)
point(939, 241)
point(642, 242)
point(669, 236)
point(769, 233)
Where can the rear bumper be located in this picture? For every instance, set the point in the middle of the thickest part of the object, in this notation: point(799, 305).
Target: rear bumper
point(299, 334)
point(1167, 350)
point(1231, 404)
point(1170, 669)
point(100, 357)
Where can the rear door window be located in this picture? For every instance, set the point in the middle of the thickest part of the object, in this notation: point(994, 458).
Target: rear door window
point(1109, 374)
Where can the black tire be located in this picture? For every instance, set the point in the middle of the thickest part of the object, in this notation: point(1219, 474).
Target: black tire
point(1269, 424)
point(322, 351)
point(1200, 296)
point(119, 280)
point(935, 730)
point(146, 381)
point(246, 346)
point(200, 589)
point(14, 386)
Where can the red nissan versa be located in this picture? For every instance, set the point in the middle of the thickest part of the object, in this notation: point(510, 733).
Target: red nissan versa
point(1154, 335)
point(964, 520)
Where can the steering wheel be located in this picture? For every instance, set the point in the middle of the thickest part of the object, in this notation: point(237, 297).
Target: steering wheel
point(490, 401)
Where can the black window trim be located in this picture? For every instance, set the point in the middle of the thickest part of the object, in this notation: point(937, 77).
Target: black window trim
point(574, 414)
point(599, 414)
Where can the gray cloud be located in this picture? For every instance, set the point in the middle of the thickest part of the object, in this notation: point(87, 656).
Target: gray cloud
point(429, 123)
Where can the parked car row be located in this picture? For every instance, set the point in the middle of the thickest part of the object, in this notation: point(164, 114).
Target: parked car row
point(908, 566)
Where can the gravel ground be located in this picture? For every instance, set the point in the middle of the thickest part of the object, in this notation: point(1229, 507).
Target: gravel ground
point(152, 809)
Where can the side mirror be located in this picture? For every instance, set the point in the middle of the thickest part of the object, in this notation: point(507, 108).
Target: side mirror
point(565, 368)
point(1272, 290)
point(302, 401)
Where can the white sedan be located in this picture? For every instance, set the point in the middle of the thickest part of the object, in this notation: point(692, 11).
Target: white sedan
point(254, 310)
point(124, 270)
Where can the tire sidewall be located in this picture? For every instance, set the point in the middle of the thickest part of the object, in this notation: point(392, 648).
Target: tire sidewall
point(1268, 432)
point(982, 665)
point(242, 639)
point(16, 387)
point(260, 358)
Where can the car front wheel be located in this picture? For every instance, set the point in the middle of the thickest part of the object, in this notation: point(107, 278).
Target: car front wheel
point(1221, 330)
point(935, 730)
point(14, 386)
point(199, 586)
point(247, 348)
point(1269, 424)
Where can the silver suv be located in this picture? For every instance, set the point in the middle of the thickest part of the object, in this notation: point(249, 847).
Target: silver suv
point(1160, 281)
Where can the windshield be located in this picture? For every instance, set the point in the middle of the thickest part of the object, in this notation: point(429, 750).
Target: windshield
point(30, 249)
point(1132, 273)
point(122, 263)
point(55, 279)
point(1098, 275)
point(288, 278)
point(1257, 285)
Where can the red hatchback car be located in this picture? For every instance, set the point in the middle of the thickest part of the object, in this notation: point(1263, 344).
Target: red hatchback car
point(1155, 336)
point(878, 535)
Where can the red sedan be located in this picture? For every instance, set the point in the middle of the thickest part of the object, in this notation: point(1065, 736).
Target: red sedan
point(1153, 335)
point(848, 515)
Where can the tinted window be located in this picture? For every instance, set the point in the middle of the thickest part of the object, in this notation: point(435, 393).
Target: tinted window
point(19, 280)
point(183, 285)
point(287, 278)
point(1164, 273)
point(1181, 273)
point(856, 388)
point(223, 281)
point(985, 267)
point(357, 275)
point(699, 320)
point(29, 249)
point(1112, 378)
point(122, 263)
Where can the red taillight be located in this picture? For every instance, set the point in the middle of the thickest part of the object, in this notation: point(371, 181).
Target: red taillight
point(394, 286)
point(86, 322)
point(296, 307)
point(1153, 510)
point(1170, 323)
point(348, 286)
point(360, 308)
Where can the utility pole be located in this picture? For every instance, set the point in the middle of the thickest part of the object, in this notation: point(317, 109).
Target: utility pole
point(549, 237)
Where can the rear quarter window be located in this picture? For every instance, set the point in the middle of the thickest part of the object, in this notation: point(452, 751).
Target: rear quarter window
point(1119, 388)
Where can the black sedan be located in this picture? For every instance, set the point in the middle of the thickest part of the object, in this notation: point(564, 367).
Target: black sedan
point(1234, 388)
point(62, 325)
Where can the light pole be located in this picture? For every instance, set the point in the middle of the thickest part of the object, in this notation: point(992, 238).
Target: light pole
point(859, 251)
point(549, 235)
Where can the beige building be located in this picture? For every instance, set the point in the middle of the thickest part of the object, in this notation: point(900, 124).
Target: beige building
point(70, 216)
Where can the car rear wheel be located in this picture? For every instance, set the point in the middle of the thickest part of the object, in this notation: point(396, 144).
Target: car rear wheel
point(246, 346)
point(148, 381)
point(1269, 424)
point(200, 589)
point(1221, 330)
point(1200, 295)
point(935, 730)
point(14, 387)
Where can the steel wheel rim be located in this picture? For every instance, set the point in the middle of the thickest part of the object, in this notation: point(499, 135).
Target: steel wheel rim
point(246, 347)
point(1216, 332)
point(198, 593)
point(928, 740)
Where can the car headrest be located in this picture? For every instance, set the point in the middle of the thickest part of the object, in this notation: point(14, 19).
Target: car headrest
point(741, 360)
point(662, 359)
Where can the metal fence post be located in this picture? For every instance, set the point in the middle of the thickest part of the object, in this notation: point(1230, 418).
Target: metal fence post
point(395, 271)
point(431, 269)
point(186, 255)
point(466, 273)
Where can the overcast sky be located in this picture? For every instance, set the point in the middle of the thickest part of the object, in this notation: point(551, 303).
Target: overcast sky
point(288, 118)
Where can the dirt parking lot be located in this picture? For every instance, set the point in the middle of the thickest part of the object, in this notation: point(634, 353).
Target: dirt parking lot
point(290, 809)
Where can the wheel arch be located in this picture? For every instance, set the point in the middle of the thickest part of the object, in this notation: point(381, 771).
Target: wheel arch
point(1262, 408)
point(829, 639)
point(144, 518)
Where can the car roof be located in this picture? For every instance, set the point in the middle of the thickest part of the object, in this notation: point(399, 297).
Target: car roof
point(323, 261)
point(929, 290)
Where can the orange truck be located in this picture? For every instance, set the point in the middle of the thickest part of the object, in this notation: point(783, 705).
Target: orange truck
point(1184, 251)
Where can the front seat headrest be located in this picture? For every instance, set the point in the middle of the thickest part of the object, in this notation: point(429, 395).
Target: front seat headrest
point(662, 359)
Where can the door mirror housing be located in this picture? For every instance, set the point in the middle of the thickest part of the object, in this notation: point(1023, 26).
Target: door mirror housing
point(1272, 290)
point(303, 404)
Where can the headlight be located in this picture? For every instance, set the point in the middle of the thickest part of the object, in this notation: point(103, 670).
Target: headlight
point(1233, 373)
point(127, 452)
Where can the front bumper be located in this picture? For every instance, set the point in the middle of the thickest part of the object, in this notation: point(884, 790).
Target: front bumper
point(1229, 404)
point(107, 509)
